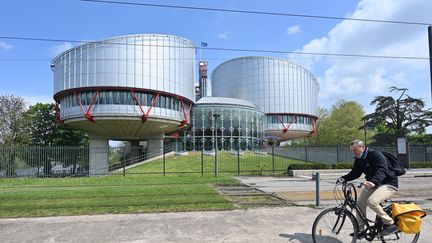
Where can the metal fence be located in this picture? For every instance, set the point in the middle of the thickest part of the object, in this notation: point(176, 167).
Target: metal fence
point(342, 154)
point(38, 161)
point(61, 161)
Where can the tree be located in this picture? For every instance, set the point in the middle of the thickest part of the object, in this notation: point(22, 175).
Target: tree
point(12, 124)
point(44, 131)
point(343, 123)
point(339, 125)
point(398, 117)
point(12, 131)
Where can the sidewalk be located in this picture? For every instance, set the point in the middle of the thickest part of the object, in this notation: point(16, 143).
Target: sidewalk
point(302, 191)
point(282, 224)
point(276, 224)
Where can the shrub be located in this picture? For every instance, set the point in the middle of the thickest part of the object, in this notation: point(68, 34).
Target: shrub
point(308, 166)
point(342, 166)
point(414, 165)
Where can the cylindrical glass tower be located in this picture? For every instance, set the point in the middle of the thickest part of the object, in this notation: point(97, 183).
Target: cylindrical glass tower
point(126, 87)
point(287, 93)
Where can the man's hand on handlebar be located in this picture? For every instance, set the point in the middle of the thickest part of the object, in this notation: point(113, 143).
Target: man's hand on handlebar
point(340, 180)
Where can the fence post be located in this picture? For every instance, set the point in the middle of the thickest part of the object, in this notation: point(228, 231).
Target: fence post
point(317, 189)
point(337, 154)
point(202, 160)
point(238, 160)
point(273, 163)
point(124, 161)
point(425, 153)
point(306, 154)
point(164, 165)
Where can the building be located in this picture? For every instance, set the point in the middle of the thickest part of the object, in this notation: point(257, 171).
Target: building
point(237, 124)
point(286, 92)
point(138, 88)
point(134, 88)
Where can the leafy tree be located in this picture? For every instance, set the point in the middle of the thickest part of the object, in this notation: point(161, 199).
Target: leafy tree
point(12, 131)
point(420, 139)
point(12, 123)
point(342, 124)
point(398, 117)
point(339, 125)
point(44, 131)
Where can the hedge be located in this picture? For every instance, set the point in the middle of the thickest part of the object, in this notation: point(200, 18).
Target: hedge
point(419, 165)
point(320, 166)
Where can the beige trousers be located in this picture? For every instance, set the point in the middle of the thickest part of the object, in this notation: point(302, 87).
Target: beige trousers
point(372, 198)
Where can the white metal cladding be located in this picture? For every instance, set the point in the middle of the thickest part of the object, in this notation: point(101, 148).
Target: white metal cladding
point(274, 85)
point(225, 101)
point(154, 62)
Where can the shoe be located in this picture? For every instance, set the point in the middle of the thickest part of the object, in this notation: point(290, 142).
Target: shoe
point(388, 229)
point(360, 235)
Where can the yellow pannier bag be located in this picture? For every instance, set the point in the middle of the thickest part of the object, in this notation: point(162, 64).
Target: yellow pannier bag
point(408, 217)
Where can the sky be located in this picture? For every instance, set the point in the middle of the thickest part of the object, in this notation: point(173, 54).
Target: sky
point(25, 65)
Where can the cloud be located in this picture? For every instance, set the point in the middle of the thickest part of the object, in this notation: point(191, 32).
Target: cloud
point(294, 29)
point(55, 50)
point(357, 77)
point(223, 35)
point(4, 46)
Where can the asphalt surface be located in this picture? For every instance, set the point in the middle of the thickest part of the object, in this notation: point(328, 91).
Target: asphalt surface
point(276, 224)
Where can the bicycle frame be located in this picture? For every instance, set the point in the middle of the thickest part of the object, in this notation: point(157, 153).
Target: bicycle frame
point(350, 204)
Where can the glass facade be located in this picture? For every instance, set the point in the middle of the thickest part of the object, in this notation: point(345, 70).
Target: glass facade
point(236, 125)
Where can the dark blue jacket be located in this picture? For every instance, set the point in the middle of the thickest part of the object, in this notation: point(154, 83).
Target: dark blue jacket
point(374, 165)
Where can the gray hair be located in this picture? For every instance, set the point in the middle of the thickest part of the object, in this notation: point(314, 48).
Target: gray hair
point(357, 143)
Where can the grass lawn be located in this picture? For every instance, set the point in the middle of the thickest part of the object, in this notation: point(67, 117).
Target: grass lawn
point(33, 197)
point(194, 162)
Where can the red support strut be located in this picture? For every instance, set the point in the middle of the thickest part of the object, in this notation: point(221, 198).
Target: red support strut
point(185, 121)
point(87, 113)
point(144, 116)
point(57, 114)
point(285, 129)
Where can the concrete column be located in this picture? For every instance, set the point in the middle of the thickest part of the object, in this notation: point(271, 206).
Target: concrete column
point(136, 153)
point(155, 145)
point(98, 155)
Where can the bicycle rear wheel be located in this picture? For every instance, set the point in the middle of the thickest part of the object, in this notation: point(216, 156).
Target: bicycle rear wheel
point(399, 237)
point(335, 225)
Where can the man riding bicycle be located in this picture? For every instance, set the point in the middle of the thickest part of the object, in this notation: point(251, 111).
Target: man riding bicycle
point(381, 183)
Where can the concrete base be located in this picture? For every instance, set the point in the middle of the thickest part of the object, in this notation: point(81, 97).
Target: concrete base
point(155, 145)
point(98, 156)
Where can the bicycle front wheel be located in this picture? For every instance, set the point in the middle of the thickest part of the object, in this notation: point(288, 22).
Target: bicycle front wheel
point(335, 225)
point(401, 237)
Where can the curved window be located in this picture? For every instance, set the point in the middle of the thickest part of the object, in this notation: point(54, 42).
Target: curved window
point(123, 98)
point(236, 126)
point(288, 118)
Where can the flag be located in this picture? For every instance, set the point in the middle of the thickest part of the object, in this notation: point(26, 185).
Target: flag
point(203, 44)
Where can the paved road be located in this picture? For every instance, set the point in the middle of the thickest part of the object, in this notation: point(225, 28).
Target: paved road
point(302, 191)
point(281, 224)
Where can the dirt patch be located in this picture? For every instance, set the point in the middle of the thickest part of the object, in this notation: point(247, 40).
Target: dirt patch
point(245, 196)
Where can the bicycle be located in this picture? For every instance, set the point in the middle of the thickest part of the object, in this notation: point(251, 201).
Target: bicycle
point(339, 224)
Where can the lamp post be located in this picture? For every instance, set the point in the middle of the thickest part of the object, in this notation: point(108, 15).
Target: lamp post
point(216, 145)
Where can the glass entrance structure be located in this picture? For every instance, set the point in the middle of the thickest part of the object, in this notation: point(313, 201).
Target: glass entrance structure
point(233, 122)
